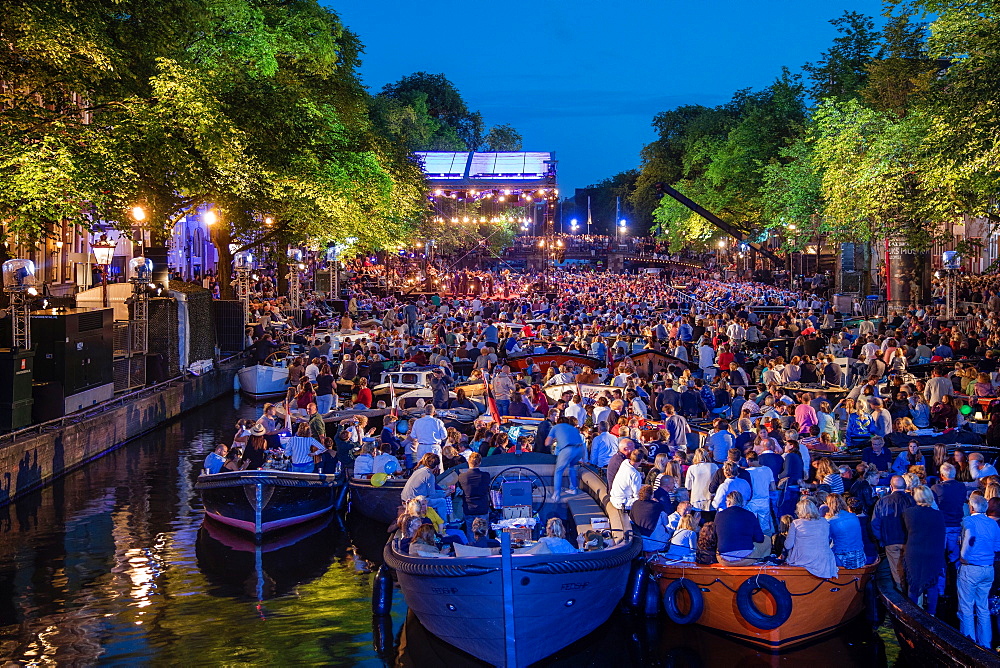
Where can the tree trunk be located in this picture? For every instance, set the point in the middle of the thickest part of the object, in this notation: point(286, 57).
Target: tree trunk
point(224, 267)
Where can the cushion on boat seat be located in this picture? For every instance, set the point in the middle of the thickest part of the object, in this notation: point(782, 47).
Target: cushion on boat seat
point(470, 551)
point(582, 508)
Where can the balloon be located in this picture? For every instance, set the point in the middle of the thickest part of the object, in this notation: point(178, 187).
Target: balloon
point(966, 409)
point(379, 479)
point(391, 466)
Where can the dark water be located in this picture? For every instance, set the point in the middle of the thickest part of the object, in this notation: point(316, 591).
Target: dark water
point(112, 565)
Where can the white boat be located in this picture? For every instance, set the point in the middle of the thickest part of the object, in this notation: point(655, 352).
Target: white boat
point(261, 380)
point(554, 392)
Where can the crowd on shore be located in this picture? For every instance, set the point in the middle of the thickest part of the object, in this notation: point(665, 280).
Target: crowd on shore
point(781, 384)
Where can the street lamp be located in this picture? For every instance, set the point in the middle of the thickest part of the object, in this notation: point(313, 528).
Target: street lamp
point(104, 252)
point(622, 226)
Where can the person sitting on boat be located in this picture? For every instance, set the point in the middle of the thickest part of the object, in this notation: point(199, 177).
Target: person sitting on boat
point(628, 480)
point(684, 541)
point(651, 520)
point(262, 349)
point(216, 459)
point(383, 457)
point(845, 533)
point(347, 441)
point(732, 483)
point(480, 530)
point(425, 543)
point(554, 541)
point(907, 458)
point(422, 483)
point(364, 463)
point(257, 446)
point(428, 432)
point(475, 486)
point(741, 541)
point(808, 541)
point(461, 400)
point(301, 448)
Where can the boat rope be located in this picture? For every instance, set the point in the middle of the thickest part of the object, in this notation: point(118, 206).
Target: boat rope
point(855, 581)
point(583, 565)
point(435, 568)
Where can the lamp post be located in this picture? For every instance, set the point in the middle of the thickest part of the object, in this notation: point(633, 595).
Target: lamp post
point(19, 284)
point(621, 229)
point(104, 251)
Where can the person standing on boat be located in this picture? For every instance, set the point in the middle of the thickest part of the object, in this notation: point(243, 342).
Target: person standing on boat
point(567, 443)
point(422, 483)
point(980, 543)
point(428, 433)
point(887, 525)
point(628, 480)
point(603, 447)
point(808, 541)
point(317, 427)
point(475, 486)
point(677, 429)
point(503, 389)
point(439, 388)
point(272, 426)
point(923, 557)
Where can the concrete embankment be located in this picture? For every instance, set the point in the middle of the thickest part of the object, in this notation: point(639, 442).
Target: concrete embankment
point(33, 459)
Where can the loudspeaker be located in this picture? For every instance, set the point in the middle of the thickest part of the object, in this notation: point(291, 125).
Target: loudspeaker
point(15, 415)
point(73, 347)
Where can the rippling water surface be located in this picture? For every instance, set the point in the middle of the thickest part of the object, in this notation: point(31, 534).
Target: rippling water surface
point(113, 565)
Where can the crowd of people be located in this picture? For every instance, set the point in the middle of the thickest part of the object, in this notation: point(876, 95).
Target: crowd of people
point(780, 384)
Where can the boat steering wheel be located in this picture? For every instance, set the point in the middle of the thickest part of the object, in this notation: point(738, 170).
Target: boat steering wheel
point(539, 491)
point(276, 358)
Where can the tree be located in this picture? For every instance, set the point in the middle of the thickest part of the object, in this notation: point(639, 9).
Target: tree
point(502, 138)
point(842, 69)
point(904, 76)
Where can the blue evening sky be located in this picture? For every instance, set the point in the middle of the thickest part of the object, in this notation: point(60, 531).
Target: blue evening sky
point(584, 78)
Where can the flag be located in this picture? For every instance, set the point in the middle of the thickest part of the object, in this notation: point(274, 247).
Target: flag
point(491, 402)
point(392, 398)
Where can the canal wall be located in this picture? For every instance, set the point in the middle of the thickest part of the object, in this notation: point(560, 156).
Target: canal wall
point(31, 460)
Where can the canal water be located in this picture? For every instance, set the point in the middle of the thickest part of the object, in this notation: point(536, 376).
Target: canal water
point(113, 565)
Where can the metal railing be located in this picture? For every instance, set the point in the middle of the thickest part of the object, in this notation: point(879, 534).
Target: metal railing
point(95, 410)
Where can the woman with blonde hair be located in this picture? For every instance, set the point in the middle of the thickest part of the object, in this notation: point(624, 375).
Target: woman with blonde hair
point(699, 477)
point(828, 474)
point(808, 541)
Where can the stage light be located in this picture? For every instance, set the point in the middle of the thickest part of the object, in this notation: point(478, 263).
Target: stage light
point(543, 191)
point(482, 219)
point(506, 192)
point(454, 220)
point(541, 243)
point(527, 197)
point(502, 198)
point(465, 220)
point(438, 192)
point(473, 192)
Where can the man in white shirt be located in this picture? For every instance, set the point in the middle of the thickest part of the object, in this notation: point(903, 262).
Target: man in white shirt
point(978, 467)
point(577, 410)
point(628, 480)
point(428, 433)
point(706, 360)
point(937, 386)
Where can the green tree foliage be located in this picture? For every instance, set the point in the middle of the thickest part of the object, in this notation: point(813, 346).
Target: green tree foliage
point(842, 70)
point(253, 105)
point(502, 138)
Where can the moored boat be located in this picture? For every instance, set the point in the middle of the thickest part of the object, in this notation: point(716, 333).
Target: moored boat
point(377, 502)
point(260, 501)
point(774, 607)
point(514, 609)
point(263, 380)
point(924, 637)
point(649, 362)
point(545, 360)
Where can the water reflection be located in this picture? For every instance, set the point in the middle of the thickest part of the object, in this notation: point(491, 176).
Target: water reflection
point(114, 565)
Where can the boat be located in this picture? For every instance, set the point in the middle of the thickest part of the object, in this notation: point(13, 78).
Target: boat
point(261, 501)
point(923, 637)
point(545, 360)
point(380, 503)
point(649, 362)
point(516, 608)
point(264, 380)
point(769, 606)
point(462, 419)
point(555, 392)
point(404, 380)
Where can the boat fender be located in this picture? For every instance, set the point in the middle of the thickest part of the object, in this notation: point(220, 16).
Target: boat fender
point(652, 607)
point(382, 637)
point(236, 382)
point(341, 498)
point(670, 601)
point(635, 596)
point(382, 591)
point(748, 609)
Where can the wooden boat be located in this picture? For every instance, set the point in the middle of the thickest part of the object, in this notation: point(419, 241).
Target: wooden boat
point(649, 362)
point(545, 360)
point(263, 380)
point(923, 637)
point(516, 609)
point(264, 500)
point(378, 503)
point(790, 605)
point(554, 392)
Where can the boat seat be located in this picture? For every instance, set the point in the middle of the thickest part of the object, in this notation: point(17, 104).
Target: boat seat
point(582, 508)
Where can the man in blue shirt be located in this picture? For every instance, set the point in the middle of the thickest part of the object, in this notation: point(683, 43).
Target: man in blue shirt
point(720, 440)
point(570, 448)
point(980, 543)
point(217, 458)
